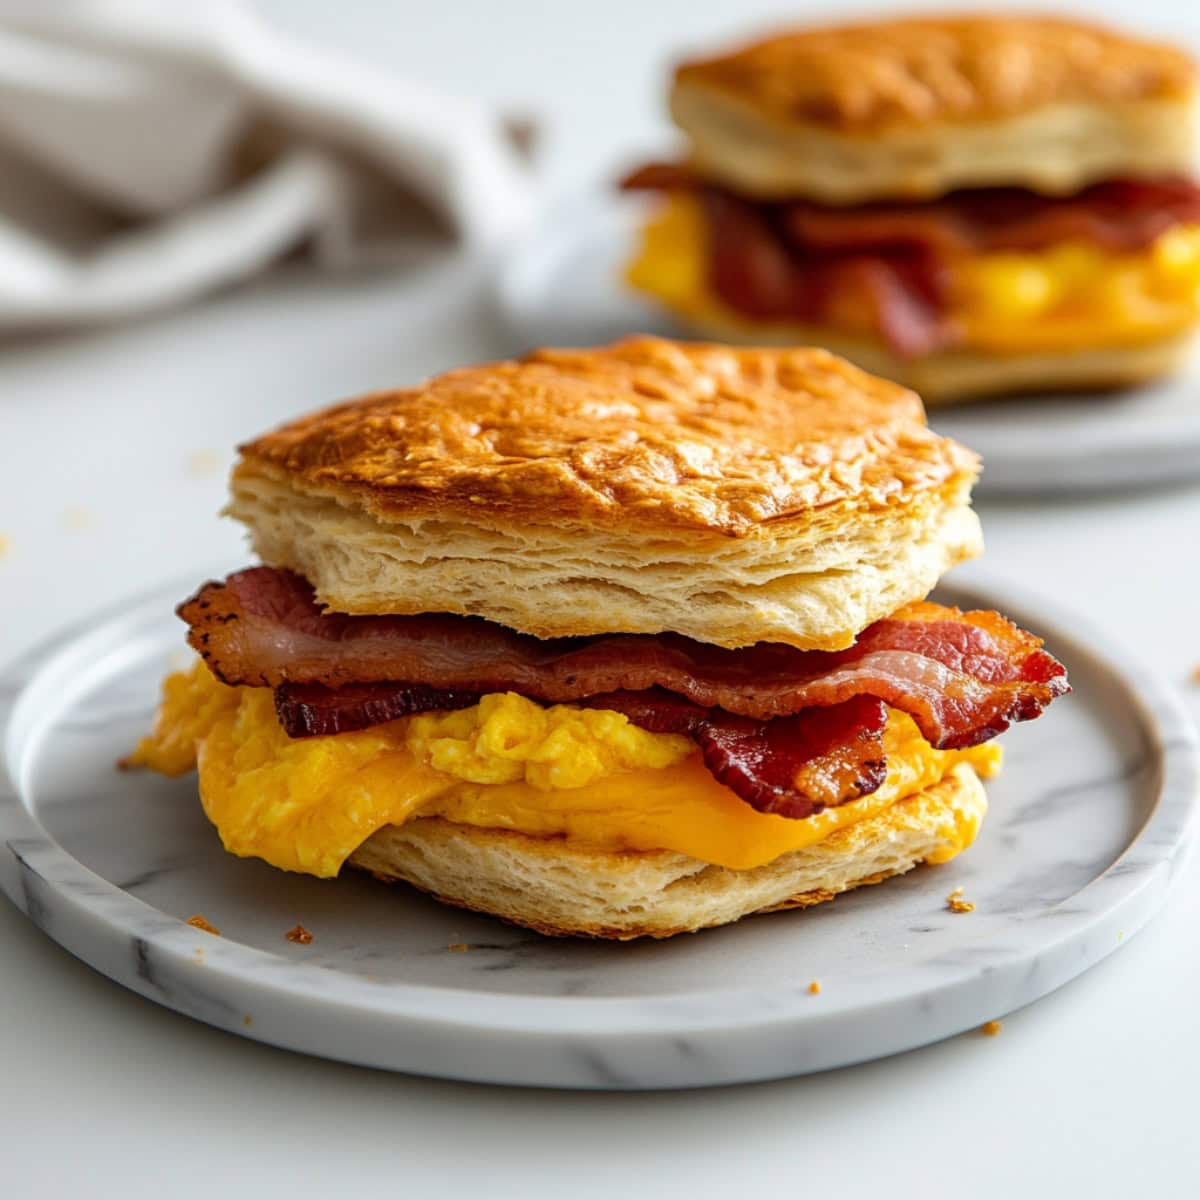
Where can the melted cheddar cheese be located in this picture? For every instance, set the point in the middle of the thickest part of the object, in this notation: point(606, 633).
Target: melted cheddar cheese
point(1066, 297)
point(582, 774)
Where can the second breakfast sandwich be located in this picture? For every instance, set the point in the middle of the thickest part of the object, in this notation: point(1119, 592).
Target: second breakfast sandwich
point(969, 205)
point(623, 641)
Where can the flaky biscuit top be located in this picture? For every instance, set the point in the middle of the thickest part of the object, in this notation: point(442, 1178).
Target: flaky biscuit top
point(867, 78)
point(644, 432)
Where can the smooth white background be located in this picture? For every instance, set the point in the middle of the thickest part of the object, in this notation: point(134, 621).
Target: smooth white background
point(112, 450)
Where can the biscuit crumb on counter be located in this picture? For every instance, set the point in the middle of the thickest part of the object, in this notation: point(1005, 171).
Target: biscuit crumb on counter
point(299, 934)
point(1195, 669)
point(991, 1028)
point(77, 519)
point(199, 922)
point(458, 946)
point(814, 988)
point(204, 464)
point(957, 904)
point(247, 1020)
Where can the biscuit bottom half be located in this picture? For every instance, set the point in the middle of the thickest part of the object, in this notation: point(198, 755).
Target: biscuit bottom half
point(555, 888)
point(564, 819)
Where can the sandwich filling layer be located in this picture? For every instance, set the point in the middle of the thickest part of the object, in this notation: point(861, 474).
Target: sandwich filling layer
point(999, 271)
point(587, 776)
point(313, 730)
point(790, 731)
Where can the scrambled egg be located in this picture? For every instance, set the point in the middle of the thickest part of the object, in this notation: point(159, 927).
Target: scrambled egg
point(1074, 295)
point(509, 739)
point(507, 763)
point(1067, 297)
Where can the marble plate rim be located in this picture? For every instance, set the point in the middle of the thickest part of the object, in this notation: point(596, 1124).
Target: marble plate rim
point(1014, 464)
point(38, 875)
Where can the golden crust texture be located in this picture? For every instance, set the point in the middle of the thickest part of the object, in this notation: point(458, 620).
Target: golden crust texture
point(912, 71)
point(666, 435)
point(554, 888)
point(733, 496)
point(918, 107)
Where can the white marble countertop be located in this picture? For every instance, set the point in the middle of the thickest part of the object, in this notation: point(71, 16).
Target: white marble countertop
point(112, 450)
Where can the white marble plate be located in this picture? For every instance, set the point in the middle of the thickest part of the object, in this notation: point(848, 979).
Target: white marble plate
point(1086, 829)
point(562, 286)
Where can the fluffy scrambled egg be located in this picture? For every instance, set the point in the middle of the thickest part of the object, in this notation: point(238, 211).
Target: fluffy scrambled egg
point(1066, 297)
point(506, 738)
point(583, 774)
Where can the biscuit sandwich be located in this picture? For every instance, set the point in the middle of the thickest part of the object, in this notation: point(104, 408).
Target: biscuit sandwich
point(615, 642)
point(969, 205)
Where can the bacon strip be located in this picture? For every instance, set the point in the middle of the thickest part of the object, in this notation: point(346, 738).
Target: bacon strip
point(791, 766)
point(963, 677)
point(1117, 214)
point(314, 710)
point(901, 293)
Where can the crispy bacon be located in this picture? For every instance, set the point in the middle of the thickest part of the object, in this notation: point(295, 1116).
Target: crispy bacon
point(883, 265)
point(661, 177)
point(755, 271)
point(314, 710)
point(792, 766)
point(963, 677)
point(1119, 215)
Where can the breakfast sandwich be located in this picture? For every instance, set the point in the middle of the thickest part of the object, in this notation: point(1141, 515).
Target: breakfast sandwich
point(621, 641)
point(968, 205)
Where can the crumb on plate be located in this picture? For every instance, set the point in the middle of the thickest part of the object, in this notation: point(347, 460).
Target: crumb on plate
point(814, 988)
point(199, 922)
point(204, 463)
point(957, 904)
point(458, 946)
point(299, 935)
point(991, 1028)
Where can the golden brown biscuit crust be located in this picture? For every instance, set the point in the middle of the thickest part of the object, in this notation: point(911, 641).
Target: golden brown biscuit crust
point(645, 432)
point(868, 78)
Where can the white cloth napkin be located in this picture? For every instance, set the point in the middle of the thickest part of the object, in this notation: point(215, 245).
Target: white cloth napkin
point(151, 150)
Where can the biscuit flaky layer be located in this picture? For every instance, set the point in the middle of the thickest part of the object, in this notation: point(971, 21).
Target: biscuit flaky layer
point(735, 496)
point(919, 106)
point(552, 887)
